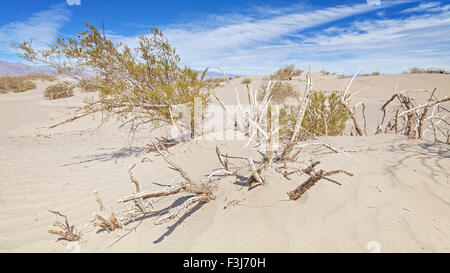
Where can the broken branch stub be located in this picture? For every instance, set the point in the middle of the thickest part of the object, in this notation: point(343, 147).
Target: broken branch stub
point(312, 180)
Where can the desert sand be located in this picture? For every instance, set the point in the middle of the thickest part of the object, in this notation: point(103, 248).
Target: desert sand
point(397, 201)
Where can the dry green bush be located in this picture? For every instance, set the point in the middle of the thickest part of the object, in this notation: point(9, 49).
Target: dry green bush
point(137, 86)
point(279, 91)
point(217, 82)
point(417, 70)
point(287, 72)
point(325, 115)
point(17, 84)
point(376, 73)
point(88, 86)
point(324, 73)
point(246, 81)
point(59, 90)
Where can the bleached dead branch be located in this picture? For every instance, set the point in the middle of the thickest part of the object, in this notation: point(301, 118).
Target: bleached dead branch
point(66, 230)
point(315, 176)
point(414, 117)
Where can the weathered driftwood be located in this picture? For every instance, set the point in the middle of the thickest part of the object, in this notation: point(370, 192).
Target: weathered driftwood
point(303, 107)
point(345, 100)
point(138, 189)
point(202, 193)
point(255, 179)
point(224, 164)
point(315, 176)
point(413, 117)
point(67, 232)
point(109, 223)
point(172, 213)
point(99, 200)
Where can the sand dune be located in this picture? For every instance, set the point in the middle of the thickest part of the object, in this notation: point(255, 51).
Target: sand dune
point(399, 198)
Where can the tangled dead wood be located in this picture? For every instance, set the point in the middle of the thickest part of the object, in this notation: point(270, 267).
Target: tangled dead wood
point(111, 223)
point(315, 176)
point(410, 120)
point(202, 193)
point(66, 230)
point(260, 135)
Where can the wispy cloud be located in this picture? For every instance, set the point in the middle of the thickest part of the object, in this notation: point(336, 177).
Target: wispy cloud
point(254, 43)
point(42, 27)
point(73, 2)
point(262, 45)
point(422, 7)
point(373, 2)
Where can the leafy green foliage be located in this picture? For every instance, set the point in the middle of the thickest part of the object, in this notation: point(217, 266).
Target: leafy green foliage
point(288, 118)
point(136, 86)
point(325, 115)
point(59, 90)
point(279, 91)
point(87, 86)
point(246, 81)
point(287, 72)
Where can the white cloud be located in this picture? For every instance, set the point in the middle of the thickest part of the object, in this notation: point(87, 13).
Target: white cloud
point(422, 7)
point(73, 2)
point(42, 27)
point(236, 42)
point(373, 2)
point(261, 43)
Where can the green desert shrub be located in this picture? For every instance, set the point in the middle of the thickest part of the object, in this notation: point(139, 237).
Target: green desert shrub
point(325, 115)
point(246, 81)
point(138, 86)
point(87, 86)
point(59, 90)
point(287, 72)
point(17, 84)
point(324, 73)
point(279, 91)
point(417, 70)
point(288, 118)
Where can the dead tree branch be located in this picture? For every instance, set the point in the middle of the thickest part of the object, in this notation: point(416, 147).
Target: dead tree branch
point(67, 231)
point(312, 180)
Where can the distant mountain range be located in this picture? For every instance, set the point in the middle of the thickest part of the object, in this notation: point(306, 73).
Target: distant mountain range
point(18, 69)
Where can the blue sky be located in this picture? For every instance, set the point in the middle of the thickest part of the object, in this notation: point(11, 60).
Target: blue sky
point(253, 37)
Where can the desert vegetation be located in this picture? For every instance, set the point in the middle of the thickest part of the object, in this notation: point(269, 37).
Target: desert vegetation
point(59, 90)
point(410, 120)
point(279, 92)
point(17, 84)
point(137, 86)
point(325, 115)
point(286, 72)
point(418, 70)
point(246, 81)
point(146, 85)
point(87, 86)
point(375, 73)
point(324, 73)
